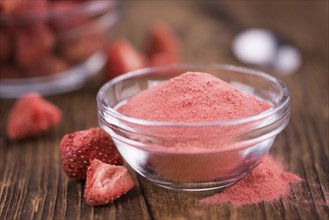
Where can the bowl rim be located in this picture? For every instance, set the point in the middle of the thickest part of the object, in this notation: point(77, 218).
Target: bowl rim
point(91, 8)
point(283, 102)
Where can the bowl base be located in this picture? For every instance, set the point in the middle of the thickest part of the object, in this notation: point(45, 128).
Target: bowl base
point(195, 187)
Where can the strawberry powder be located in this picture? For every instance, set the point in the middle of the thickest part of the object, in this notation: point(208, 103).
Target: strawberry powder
point(193, 97)
point(201, 97)
point(267, 182)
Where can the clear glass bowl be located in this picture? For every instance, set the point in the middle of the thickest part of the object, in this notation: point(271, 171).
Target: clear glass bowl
point(171, 154)
point(53, 47)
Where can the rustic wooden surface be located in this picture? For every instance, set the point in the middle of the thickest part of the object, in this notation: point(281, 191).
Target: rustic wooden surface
point(33, 185)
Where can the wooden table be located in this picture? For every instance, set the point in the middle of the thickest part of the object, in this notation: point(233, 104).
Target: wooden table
point(33, 185)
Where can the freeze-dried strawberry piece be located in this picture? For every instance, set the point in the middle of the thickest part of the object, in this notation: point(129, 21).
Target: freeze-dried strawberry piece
point(48, 65)
point(163, 40)
point(17, 7)
point(31, 116)
point(9, 72)
point(161, 59)
point(78, 149)
point(64, 21)
point(106, 183)
point(32, 44)
point(122, 58)
point(5, 46)
point(78, 49)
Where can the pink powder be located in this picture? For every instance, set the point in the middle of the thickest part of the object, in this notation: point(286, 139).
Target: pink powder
point(267, 182)
point(193, 97)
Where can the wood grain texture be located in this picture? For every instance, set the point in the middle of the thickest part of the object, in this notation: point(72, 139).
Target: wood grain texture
point(33, 185)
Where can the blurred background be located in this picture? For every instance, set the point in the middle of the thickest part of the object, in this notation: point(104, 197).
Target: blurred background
point(214, 24)
point(54, 46)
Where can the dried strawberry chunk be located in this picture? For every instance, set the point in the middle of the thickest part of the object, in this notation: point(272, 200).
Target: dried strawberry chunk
point(163, 45)
point(122, 58)
point(78, 149)
point(31, 116)
point(106, 183)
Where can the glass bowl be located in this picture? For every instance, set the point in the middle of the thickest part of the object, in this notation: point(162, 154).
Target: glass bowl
point(52, 46)
point(171, 154)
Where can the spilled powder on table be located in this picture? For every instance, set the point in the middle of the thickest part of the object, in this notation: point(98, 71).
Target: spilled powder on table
point(193, 97)
point(267, 182)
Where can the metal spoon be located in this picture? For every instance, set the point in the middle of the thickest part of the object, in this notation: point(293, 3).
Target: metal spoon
point(262, 47)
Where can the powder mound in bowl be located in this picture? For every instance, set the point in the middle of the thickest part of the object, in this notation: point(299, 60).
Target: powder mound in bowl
point(193, 97)
point(196, 153)
point(267, 182)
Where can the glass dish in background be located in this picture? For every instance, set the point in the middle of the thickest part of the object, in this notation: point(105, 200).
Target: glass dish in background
point(172, 154)
point(54, 48)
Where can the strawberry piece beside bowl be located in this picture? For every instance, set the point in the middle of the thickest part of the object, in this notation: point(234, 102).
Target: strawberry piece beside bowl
point(78, 149)
point(106, 183)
